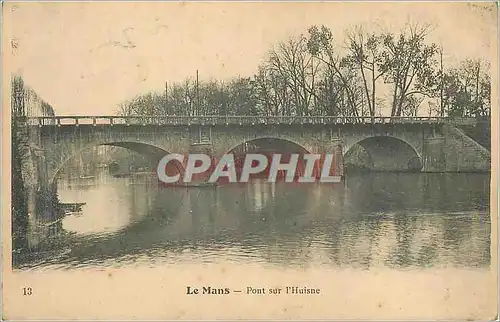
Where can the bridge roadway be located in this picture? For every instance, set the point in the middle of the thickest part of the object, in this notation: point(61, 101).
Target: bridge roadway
point(427, 144)
point(242, 120)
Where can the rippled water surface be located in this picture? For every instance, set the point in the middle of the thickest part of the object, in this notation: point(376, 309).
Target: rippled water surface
point(372, 220)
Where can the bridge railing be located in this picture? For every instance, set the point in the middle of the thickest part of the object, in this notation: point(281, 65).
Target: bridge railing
point(227, 120)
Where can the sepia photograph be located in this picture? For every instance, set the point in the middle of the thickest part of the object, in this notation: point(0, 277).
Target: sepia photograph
point(249, 160)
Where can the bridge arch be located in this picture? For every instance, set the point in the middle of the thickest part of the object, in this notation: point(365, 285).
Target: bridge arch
point(383, 153)
point(288, 142)
point(153, 152)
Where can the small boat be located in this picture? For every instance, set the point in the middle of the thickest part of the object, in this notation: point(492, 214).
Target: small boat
point(198, 185)
point(73, 213)
point(87, 177)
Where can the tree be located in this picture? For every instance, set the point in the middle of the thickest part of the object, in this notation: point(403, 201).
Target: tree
point(292, 62)
point(467, 89)
point(408, 64)
point(25, 102)
point(19, 204)
point(265, 96)
point(276, 85)
point(320, 45)
point(365, 54)
point(241, 96)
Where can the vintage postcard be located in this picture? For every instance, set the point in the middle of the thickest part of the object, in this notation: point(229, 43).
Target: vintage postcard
point(249, 160)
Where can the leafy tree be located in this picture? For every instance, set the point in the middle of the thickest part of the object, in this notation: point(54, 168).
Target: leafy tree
point(467, 89)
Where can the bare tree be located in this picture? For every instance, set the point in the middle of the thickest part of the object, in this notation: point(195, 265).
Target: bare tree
point(320, 45)
point(408, 63)
point(365, 54)
point(293, 62)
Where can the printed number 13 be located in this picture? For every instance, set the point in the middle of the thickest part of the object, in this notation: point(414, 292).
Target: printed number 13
point(27, 291)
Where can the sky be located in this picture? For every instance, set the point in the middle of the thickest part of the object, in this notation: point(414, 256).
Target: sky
point(86, 58)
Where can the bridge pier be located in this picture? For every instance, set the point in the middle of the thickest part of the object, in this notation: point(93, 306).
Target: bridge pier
point(433, 155)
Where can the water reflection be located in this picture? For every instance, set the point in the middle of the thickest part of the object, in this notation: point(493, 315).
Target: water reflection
point(111, 203)
point(373, 220)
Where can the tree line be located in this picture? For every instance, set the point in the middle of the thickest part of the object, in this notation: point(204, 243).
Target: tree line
point(372, 74)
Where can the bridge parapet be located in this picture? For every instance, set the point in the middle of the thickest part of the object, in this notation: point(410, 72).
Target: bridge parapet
point(230, 120)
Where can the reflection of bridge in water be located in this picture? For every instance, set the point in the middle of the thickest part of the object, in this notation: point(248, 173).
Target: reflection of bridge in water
point(376, 219)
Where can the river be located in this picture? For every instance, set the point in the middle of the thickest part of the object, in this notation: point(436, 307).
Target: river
point(372, 220)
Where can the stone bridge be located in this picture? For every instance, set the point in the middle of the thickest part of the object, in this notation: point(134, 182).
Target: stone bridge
point(426, 144)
